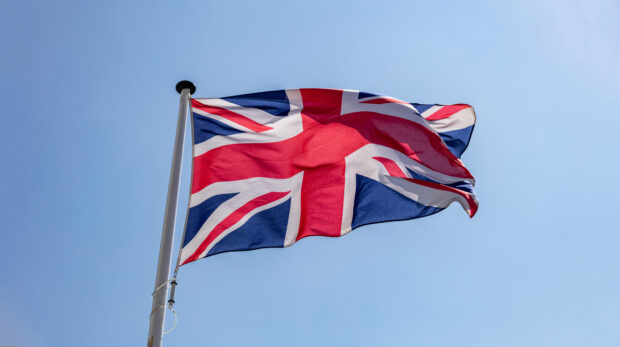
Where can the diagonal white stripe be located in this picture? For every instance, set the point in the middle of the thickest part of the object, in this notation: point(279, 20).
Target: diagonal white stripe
point(222, 120)
point(254, 114)
point(248, 189)
point(284, 128)
point(360, 162)
point(459, 120)
point(351, 104)
point(261, 185)
point(241, 222)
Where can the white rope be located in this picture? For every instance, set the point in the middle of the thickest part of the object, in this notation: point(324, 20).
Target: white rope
point(175, 317)
point(175, 321)
point(153, 294)
point(165, 284)
point(160, 286)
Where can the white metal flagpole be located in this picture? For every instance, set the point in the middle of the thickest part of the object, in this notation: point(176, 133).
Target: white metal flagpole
point(158, 311)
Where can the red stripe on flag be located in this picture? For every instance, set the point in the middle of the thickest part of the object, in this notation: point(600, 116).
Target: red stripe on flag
point(447, 111)
point(392, 168)
point(233, 218)
point(231, 116)
point(473, 206)
point(410, 138)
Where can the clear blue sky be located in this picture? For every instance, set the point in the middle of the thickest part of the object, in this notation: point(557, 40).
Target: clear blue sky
point(88, 115)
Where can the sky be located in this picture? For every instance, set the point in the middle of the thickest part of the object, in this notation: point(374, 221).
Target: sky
point(88, 114)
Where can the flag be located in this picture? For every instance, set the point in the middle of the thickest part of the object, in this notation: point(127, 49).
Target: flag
point(274, 167)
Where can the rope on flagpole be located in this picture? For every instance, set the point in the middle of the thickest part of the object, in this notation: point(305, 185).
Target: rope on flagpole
point(170, 303)
point(160, 287)
point(175, 321)
point(165, 284)
point(172, 283)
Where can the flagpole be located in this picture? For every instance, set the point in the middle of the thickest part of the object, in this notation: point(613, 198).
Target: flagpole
point(158, 310)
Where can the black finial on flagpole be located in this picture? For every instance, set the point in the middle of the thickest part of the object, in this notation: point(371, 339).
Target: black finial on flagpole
point(185, 85)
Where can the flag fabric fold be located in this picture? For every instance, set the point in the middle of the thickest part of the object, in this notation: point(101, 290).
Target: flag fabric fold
point(274, 167)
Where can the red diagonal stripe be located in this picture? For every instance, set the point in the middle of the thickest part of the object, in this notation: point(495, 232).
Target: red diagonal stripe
point(233, 218)
point(473, 206)
point(231, 116)
point(392, 168)
point(447, 111)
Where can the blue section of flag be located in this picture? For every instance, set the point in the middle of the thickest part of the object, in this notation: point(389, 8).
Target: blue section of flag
point(263, 230)
point(199, 214)
point(362, 95)
point(421, 107)
point(462, 185)
point(275, 102)
point(419, 177)
point(374, 202)
point(205, 128)
point(457, 140)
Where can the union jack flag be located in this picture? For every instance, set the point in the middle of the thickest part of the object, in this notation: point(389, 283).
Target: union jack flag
point(274, 167)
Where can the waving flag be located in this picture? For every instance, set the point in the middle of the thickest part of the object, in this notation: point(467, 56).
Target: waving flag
point(272, 168)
